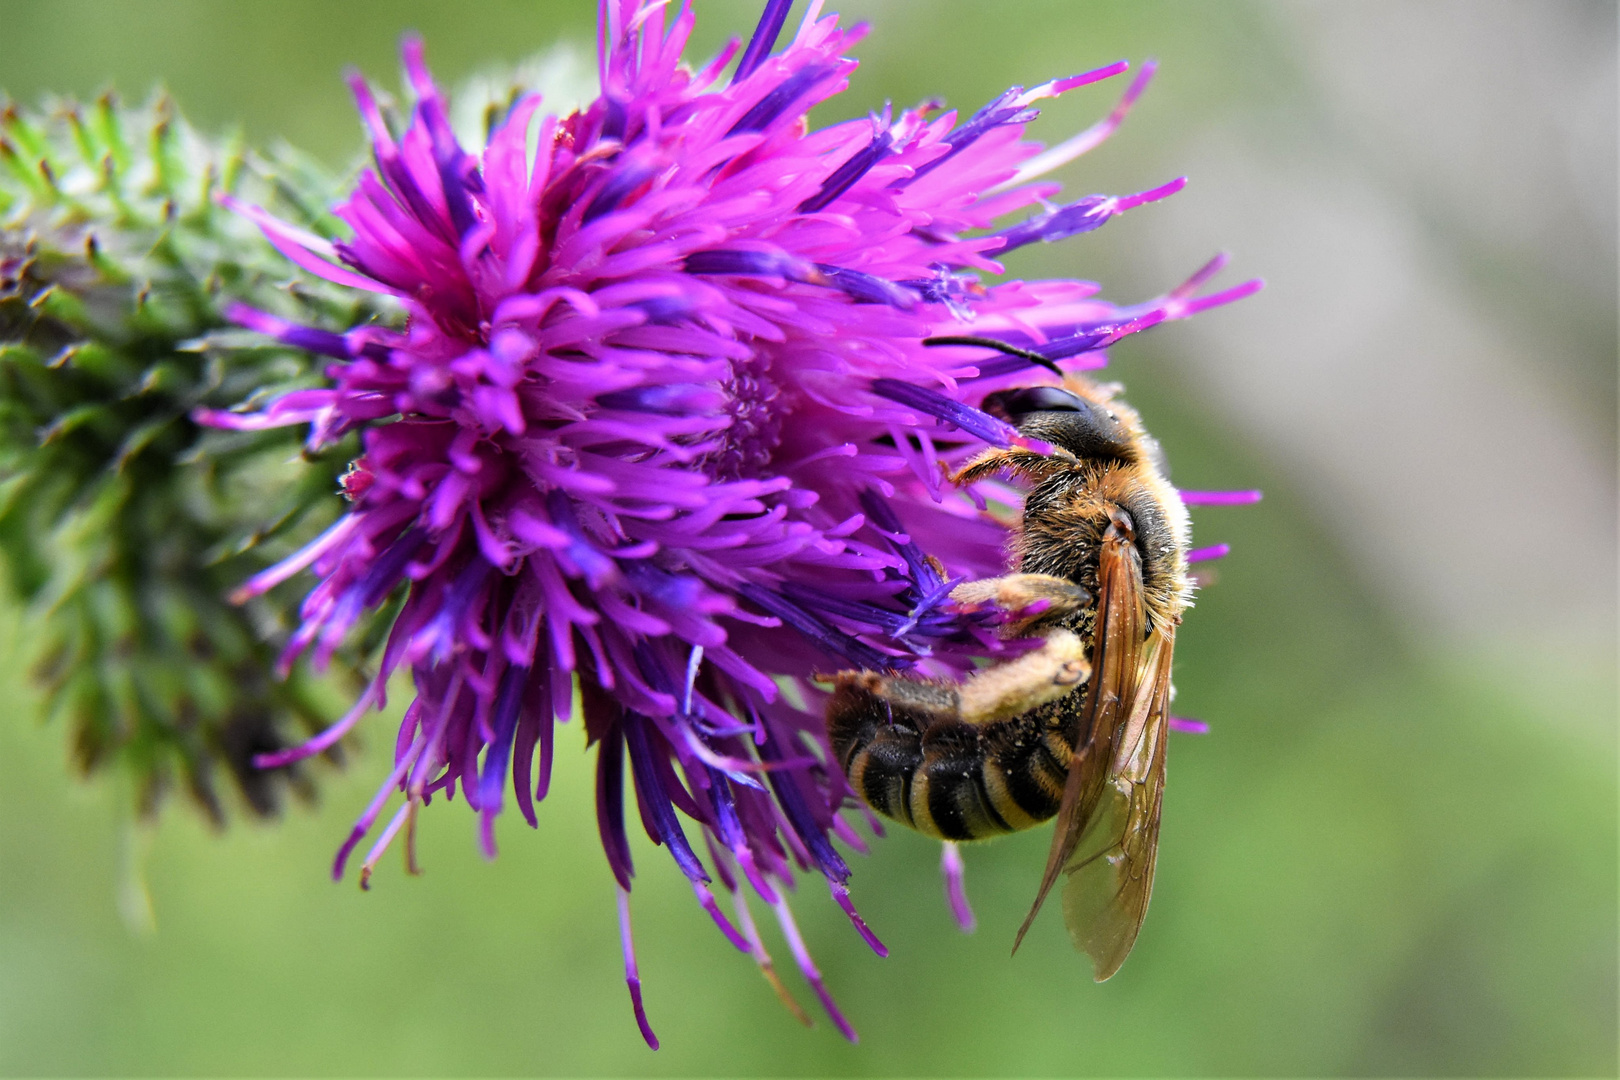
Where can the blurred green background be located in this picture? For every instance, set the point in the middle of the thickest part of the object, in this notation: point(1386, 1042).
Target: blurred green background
point(1394, 855)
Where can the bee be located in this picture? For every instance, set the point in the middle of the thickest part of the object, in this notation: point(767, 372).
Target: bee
point(1075, 728)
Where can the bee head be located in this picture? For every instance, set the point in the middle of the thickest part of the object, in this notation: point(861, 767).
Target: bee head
point(1087, 429)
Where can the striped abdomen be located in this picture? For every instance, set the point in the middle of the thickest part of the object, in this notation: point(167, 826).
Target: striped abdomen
point(909, 755)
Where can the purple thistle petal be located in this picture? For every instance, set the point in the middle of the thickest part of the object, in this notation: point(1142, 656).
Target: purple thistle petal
point(632, 976)
point(534, 728)
point(923, 572)
point(764, 39)
point(799, 815)
point(580, 557)
point(491, 785)
point(610, 805)
point(1078, 217)
point(694, 664)
point(807, 968)
point(323, 342)
point(1181, 303)
point(1202, 276)
point(844, 178)
point(952, 870)
point(847, 611)
point(1188, 725)
point(1060, 224)
point(387, 570)
point(1073, 82)
point(401, 817)
point(266, 580)
point(973, 421)
point(1226, 296)
point(1009, 109)
point(842, 829)
point(1205, 554)
point(764, 263)
point(620, 183)
point(454, 169)
point(374, 808)
point(669, 372)
point(866, 288)
point(706, 901)
point(997, 112)
point(1087, 140)
point(729, 829)
point(840, 895)
point(326, 739)
point(745, 919)
point(1097, 337)
point(828, 637)
point(302, 248)
point(786, 93)
point(1220, 498)
point(655, 801)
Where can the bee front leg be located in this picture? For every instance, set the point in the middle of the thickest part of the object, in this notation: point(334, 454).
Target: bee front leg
point(1027, 598)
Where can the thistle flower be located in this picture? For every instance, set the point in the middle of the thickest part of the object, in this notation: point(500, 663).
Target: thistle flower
point(665, 425)
point(122, 521)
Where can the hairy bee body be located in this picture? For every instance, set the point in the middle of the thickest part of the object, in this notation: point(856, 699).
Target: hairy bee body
point(909, 748)
point(1067, 515)
point(1076, 723)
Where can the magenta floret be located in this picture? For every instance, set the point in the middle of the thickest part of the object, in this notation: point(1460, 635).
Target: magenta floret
point(661, 428)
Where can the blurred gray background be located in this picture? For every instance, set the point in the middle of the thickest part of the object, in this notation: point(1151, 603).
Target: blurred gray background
point(1396, 852)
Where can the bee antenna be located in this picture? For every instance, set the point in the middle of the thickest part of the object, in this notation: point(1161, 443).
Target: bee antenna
point(999, 346)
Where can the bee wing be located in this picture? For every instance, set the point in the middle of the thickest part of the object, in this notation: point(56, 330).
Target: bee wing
point(1115, 675)
point(1111, 869)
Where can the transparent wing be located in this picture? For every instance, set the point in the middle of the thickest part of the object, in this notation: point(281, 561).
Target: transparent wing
point(1111, 868)
point(1115, 674)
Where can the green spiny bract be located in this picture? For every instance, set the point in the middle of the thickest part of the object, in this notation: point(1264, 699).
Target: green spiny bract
point(123, 524)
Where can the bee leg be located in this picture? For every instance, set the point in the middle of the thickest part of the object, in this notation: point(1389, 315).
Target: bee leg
point(1004, 691)
point(1028, 598)
point(1015, 460)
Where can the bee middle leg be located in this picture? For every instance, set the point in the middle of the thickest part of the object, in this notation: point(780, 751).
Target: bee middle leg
point(1006, 690)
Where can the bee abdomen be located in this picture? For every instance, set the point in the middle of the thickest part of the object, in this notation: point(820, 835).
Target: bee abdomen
point(882, 771)
point(948, 795)
point(878, 753)
point(941, 776)
point(1026, 767)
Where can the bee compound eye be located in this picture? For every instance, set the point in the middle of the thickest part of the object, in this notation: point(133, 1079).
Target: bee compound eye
point(1016, 403)
point(1064, 419)
point(1046, 399)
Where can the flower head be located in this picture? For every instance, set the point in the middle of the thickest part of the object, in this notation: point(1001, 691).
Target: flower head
point(124, 522)
point(664, 424)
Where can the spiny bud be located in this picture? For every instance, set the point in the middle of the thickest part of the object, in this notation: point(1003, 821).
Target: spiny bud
point(124, 525)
